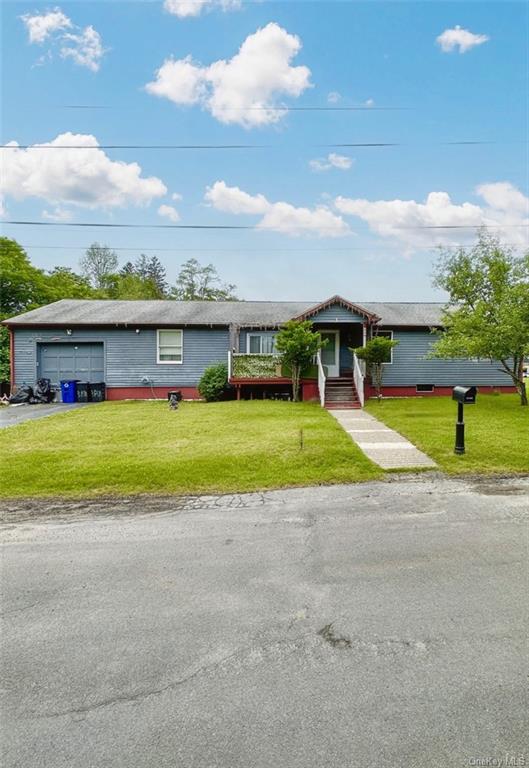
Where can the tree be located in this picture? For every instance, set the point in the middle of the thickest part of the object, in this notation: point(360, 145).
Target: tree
point(129, 286)
point(63, 283)
point(201, 283)
point(98, 262)
point(297, 344)
point(487, 315)
point(150, 270)
point(376, 352)
point(22, 286)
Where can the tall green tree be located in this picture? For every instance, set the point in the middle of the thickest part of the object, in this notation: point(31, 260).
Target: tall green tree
point(196, 282)
point(130, 286)
point(22, 286)
point(297, 344)
point(98, 262)
point(64, 283)
point(487, 315)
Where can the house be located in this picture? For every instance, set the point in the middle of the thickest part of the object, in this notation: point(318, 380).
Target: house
point(142, 349)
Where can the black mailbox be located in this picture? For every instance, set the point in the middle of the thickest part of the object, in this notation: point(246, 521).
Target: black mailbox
point(464, 394)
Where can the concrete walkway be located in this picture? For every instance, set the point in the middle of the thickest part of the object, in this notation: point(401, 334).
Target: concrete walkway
point(381, 444)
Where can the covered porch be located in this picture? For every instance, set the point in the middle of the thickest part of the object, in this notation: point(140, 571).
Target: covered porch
point(336, 377)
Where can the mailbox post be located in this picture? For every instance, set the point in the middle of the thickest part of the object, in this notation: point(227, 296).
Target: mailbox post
point(462, 395)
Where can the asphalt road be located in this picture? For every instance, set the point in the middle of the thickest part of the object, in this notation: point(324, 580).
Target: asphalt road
point(10, 415)
point(375, 625)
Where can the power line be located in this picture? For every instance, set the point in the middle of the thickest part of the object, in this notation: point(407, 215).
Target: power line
point(343, 145)
point(235, 226)
point(127, 226)
point(141, 248)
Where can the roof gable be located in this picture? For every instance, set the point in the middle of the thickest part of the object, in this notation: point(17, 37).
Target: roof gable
point(355, 309)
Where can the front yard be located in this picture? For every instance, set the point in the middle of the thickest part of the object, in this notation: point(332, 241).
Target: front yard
point(142, 447)
point(497, 431)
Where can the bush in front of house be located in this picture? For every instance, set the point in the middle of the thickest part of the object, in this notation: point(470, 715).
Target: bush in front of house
point(214, 382)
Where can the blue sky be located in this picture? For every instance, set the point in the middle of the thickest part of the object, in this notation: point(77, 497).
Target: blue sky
point(354, 221)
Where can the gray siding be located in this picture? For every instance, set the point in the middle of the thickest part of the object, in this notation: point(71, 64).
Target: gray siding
point(129, 356)
point(336, 314)
point(410, 366)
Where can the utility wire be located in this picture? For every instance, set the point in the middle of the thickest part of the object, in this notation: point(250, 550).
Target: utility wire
point(142, 248)
point(234, 226)
point(352, 145)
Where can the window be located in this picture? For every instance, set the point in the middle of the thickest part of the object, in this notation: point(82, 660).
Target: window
point(387, 335)
point(259, 344)
point(170, 347)
point(424, 388)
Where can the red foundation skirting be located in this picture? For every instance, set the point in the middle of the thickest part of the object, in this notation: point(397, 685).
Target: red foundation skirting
point(146, 393)
point(310, 391)
point(437, 392)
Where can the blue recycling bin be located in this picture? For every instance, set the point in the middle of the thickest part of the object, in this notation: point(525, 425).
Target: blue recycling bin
point(69, 391)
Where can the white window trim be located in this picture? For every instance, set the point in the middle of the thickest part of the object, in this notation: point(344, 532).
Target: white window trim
point(259, 336)
point(169, 362)
point(383, 332)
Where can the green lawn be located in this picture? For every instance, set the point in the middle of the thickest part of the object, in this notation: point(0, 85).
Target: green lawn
point(496, 431)
point(142, 447)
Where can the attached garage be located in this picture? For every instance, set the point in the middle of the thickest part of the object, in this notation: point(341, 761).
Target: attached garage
point(71, 360)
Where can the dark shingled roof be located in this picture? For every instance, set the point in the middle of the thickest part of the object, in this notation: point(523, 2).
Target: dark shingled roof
point(84, 312)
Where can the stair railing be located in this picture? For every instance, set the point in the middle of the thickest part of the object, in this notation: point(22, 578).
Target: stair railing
point(321, 379)
point(358, 379)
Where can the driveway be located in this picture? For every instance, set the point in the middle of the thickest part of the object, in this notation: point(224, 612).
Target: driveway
point(17, 414)
point(381, 624)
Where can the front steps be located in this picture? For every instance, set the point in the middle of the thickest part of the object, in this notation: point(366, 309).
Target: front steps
point(340, 393)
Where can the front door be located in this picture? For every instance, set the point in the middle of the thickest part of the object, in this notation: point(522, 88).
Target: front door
point(330, 353)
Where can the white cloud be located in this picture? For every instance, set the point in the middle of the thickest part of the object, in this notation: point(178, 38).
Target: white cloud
point(83, 46)
point(85, 49)
point(277, 217)
point(458, 38)
point(342, 162)
point(333, 97)
point(422, 224)
point(3, 209)
point(369, 103)
point(176, 197)
point(169, 212)
point(504, 196)
point(186, 8)
point(41, 25)
point(58, 214)
point(244, 89)
point(84, 176)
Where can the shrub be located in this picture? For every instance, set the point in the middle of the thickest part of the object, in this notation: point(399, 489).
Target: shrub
point(214, 382)
point(376, 353)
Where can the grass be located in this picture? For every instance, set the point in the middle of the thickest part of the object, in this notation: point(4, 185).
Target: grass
point(136, 447)
point(496, 431)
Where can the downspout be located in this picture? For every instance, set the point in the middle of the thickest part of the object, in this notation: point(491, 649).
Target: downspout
point(11, 358)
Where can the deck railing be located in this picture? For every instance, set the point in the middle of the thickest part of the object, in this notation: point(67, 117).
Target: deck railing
point(248, 366)
point(358, 379)
point(321, 379)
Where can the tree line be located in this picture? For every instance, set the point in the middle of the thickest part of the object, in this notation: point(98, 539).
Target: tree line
point(23, 286)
